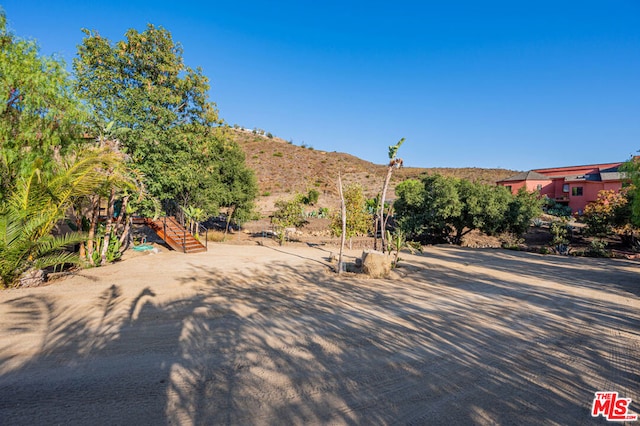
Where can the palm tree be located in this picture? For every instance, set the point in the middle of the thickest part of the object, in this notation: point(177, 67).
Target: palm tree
point(194, 215)
point(119, 182)
point(37, 203)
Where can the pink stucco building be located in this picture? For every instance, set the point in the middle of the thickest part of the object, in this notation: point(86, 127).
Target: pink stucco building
point(575, 186)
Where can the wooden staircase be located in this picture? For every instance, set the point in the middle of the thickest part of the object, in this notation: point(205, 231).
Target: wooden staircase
point(175, 235)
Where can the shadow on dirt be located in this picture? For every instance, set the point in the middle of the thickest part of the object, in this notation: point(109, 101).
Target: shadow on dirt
point(302, 346)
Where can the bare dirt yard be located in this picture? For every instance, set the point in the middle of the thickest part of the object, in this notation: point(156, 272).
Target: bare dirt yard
point(268, 335)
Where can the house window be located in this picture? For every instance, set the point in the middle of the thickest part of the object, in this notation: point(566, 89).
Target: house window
point(539, 187)
point(576, 191)
point(508, 187)
point(565, 187)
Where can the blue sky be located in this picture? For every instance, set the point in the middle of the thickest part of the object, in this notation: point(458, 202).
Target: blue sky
point(509, 84)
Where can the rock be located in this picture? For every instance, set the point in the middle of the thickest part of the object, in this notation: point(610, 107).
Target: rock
point(376, 264)
point(32, 278)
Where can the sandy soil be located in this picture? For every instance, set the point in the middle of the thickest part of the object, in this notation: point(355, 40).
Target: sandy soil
point(268, 335)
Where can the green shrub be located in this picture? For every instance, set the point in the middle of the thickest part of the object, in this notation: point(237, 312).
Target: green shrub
point(597, 248)
point(311, 198)
point(560, 231)
point(554, 208)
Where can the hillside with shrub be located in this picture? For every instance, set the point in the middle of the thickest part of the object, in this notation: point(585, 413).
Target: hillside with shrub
point(283, 168)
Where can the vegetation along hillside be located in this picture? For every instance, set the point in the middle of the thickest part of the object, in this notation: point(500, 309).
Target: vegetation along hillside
point(283, 168)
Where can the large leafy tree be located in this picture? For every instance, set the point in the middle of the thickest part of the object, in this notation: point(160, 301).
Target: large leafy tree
point(631, 169)
point(439, 208)
point(39, 113)
point(175, 136)
point(425, 208)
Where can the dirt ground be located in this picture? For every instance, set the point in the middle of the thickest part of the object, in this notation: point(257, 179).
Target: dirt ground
point(268, 335)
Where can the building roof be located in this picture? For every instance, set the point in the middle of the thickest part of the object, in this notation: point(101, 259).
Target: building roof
point(588, 177)
point(612, 173)
point(573, 170)
point(530, 175)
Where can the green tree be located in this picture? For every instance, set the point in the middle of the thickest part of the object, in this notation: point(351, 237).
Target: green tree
point(482, 208)
point(410, 215)
point(36, 204)
point(241, 187)
point(39, 113)
point(359, 219)
point(176, 138)
point(438, 208)
point(426, 208)
point(608, 211)
point(631, 170)
point(288, 214)
point(523, 207)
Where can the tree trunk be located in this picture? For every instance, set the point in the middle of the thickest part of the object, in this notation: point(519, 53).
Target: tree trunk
point(95, 214)
point(230, 213)
point(124, 237)
point(343, 215)
point(382, 197)
point(108, 227)
point(375, 231)
point(82, 249)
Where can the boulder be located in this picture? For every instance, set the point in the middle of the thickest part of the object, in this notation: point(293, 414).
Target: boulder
point(32, 278)
point(376, 264)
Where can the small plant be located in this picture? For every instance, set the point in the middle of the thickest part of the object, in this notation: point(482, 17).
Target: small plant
point(215, 236)
point(556, 209)
point(511, 241)
point(560, 231)
point(289, 214)
point(537, 222)
point(311, 198)
point(396, 242)
point(323, 212)
point(194, 215)
point(277, 154)
point(266, 193)
point(543, 250)
point(597, 248)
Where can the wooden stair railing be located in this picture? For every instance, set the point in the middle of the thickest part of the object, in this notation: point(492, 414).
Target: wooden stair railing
point(175, 235)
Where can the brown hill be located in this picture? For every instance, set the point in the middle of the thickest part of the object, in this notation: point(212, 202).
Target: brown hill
point(284, 169)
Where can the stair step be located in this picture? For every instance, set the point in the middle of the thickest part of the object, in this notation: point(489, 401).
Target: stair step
point(176, 236)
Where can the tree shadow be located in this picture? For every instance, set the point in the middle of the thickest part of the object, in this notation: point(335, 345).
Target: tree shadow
point(299, 345)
